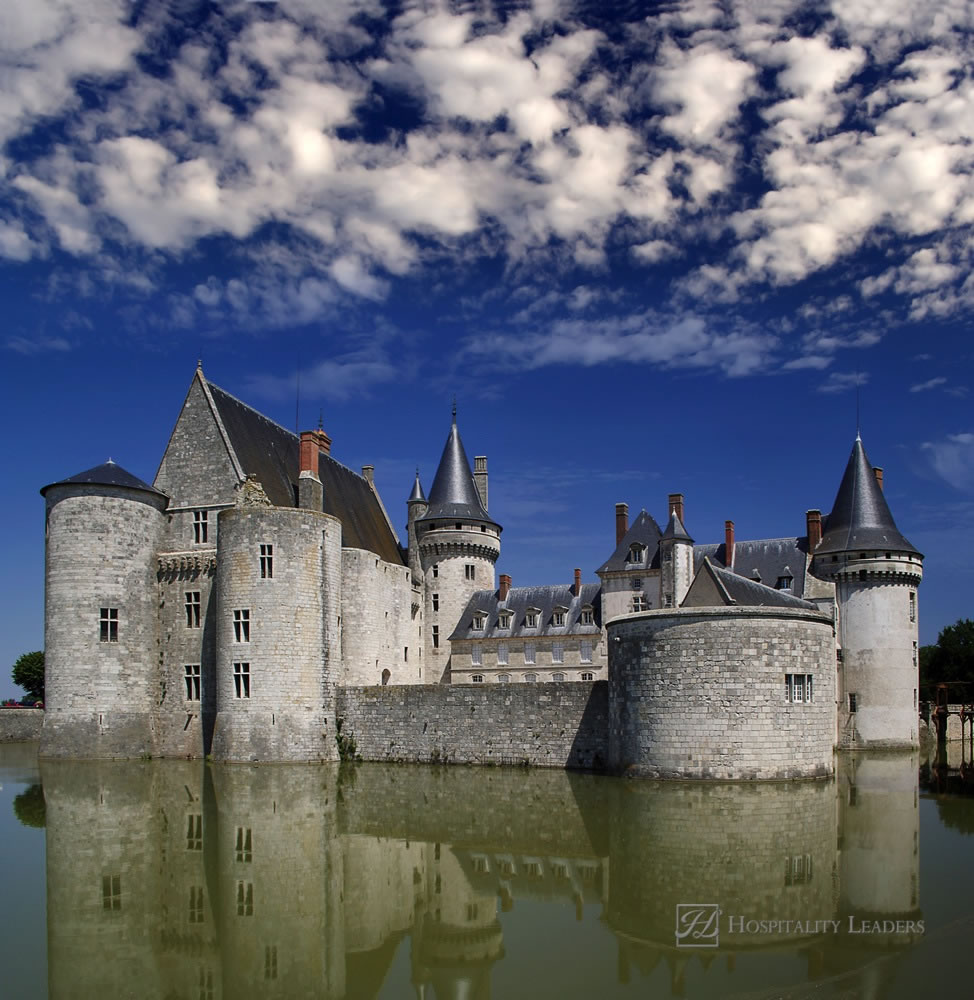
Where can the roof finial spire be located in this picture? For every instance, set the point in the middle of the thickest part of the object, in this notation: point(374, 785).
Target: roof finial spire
point(454, 407)
point(858, 434)
point(321, 417)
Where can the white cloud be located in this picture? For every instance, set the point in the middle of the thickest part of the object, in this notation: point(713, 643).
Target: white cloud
point(843, 381)
point(952, 459)
point(37, 345)
point(929, 384)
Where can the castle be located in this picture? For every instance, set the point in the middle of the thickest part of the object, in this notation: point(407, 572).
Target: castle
point(255, 596)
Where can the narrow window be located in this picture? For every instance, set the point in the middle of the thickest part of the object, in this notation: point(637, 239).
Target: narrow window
point(558, 619)
point(196, 904)
point(913, 606)
point(557, 653)
point(111, 892)
point(108, 625)
point(667, 600)
point(405, 654)
point(206, 984)
point(267, 562)
point(502, 655)
point(587, 676)
point(799, 682)
point(476, 655)
point(270, 961)
point(470, 571)
point(245, 845)
point(478, 622)
point(529, 652)
point(588, 617)
point(585, 652)
point(472, 910)
point(504, 620)
point(245, 899)
point(478, 678)
point(194, 832)
point(192, 609)
point(436, 570)
point(385, 676)
point(192, 678)
point(436, 636)
point(914, 654)
point(241, 680)
point(436, 602)
point(241, 625)
point(201, 528)
point(558, 677)
point(531, 619)
point(853, 702)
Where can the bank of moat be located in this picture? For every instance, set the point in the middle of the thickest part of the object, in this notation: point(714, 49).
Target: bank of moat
point(255, 599)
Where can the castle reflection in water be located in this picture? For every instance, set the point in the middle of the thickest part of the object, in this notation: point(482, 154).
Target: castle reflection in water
point(182, 880)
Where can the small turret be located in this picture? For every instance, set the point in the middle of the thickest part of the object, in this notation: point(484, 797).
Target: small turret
point(416, 507)
point(676, 557)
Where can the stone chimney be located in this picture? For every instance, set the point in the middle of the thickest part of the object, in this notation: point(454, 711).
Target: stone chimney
point(675, 502)
point(878, 473)
point(480, 477)
point(622, 521)
point(729, 544)
point(368, 474)
point(578, 581)
point(813, 528)
point(505, 587)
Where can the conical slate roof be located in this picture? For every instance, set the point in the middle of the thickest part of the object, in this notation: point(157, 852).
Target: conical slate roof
point(860, 517)
point(675, 528)
point(417, 493)
point(106, 474)
point(454, 493)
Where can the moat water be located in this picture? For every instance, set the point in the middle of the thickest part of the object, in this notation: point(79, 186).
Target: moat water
point(165, 879)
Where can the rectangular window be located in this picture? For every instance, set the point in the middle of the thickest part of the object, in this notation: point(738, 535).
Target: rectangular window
point(267, 562)
point(531, 619)
point(436, 602)
point(639, 603)
point(108, 625)
point(192, 609)
point(588, 617)
point(636, 583)
point(531, 678)
point(558, 677)
point(478, 678)
point(502, 655)
point(798, 688)
point(913, 606)
point(241, 625)
point(201, 529)
point(245, 899)
point(476, 656)
point(436, 570)
point(241, 680)
point(206, 984)
point(470, 571)
point(558, 619)
point(111, 892)
point(585, 652)
point(557, 653)
point(529, 653)
point(667, 600)
point(586, 676)
point(192, 678)
point(914, 654)
point(194, 832)
point(853, 702)
point(503, 678)
point(196, 904)
point(405, 654)
point(270, 961)
point(436, 636)
point(244, 844)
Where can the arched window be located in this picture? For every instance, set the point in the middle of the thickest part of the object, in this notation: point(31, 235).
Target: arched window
point(385, 677)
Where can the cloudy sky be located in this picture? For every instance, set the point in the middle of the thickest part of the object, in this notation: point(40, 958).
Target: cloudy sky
point(650, 247)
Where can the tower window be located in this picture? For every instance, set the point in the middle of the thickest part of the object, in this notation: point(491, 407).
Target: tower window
point(245, 844)
point(913, 606)
point(436, 636)
point(469, 571)
point(201, 527)
point(798, 688)
point(108, 625)
point(192, 609)
point(436, 602)
point(267, 562)
point(194, 832)
point(458, 526)
point(245, 899)
point(196, 904)
point(241, 680)
point(853, 702)
point(241, 625)
point(914, 653)
point(111, 892)
point(192, 677)
point(436, 570)
point(503, 678)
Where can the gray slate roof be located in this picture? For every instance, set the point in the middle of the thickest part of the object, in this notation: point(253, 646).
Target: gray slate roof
point(417, 493)
point(746, 593)
point(107, 474)
point(770, 557)
point(675, 529)
point(860, 517)
point(271, 453)
point(520, 599)
point(643, 530)
point(454, 493)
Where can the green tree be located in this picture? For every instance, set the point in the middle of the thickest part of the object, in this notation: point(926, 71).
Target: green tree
point(29, 807)
point(952, 658)
point(28, 673)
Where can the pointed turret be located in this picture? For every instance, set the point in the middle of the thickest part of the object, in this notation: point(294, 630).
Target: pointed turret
point(454, 493)
point(416, 508)
point(417, 493)
point(675, 528)
point(676, 557)
point(860, 517)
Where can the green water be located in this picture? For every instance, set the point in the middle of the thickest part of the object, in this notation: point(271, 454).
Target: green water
point(169, 880)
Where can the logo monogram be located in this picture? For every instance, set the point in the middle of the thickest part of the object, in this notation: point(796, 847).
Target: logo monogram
point(697, 925)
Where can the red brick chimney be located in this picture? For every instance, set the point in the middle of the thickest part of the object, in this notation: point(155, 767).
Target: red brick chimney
point(813, 528)
point(729, 544)
point(675, 502)
point(578, 581)
point(311, 443)
point(878, 473)
point(504, 587)
point(622, 521)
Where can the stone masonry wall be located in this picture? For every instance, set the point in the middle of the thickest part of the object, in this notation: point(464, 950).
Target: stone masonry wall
point(542, 725)
point(700, 693)
point(18, 724)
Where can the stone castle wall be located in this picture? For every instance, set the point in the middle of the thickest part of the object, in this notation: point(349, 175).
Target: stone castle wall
point(700, 693)
point(19, 724)
point(541, 725)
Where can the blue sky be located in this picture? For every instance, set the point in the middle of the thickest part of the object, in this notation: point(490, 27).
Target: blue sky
point(649, 247)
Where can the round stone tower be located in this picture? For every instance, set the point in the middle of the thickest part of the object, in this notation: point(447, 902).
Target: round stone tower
point(278, 644)
point(876, 572)
point(101, 634)
point(459, 543)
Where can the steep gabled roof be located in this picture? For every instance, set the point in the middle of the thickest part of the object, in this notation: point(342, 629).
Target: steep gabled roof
point(860, 517)
point(520, 600)
point(270, 452)
point(643, 530)
point(768, 558)
point(732, 589)
point(107, 474)
point(454, 493)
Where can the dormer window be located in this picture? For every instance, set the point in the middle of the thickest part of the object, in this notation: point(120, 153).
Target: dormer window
point(587, 617)
point(504, 619)
point(479, 621)
point(784, 583)
point(558, 617)
point(637, 553)
point(531, 618)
